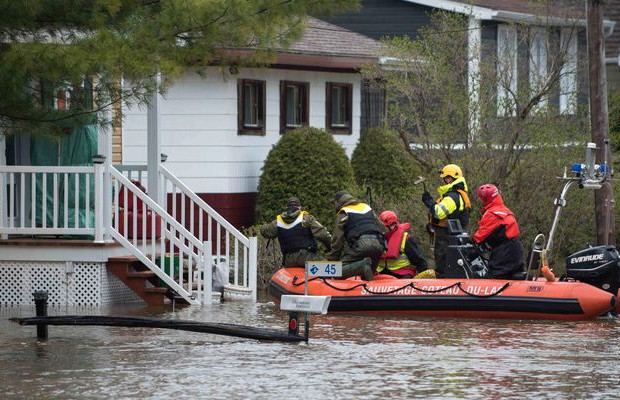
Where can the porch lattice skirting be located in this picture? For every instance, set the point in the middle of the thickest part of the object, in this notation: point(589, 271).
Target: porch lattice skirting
point(86, 284)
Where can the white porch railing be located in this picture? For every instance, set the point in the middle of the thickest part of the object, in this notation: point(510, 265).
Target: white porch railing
point(68, 200)
point(229, 245)
point(40, 200)
point(145, 228)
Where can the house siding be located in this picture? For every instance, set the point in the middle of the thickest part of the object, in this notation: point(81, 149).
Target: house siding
point(489, 50)
point(612, 44)
point(379, 18)
point(613, 77)
point(198, 123)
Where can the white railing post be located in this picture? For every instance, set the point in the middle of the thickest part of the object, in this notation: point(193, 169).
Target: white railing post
point(107, 202)
point(253, 267)
point(207, 273)
point(3, 206)
point(162, 199)
point(98, 161)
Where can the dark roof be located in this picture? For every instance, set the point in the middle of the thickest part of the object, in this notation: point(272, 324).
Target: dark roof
point(323, 38)
point(324, 46)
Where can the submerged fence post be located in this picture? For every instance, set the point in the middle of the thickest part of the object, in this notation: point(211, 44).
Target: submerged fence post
point(40, 303)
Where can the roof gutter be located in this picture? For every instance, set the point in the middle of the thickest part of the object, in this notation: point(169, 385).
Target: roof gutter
point(468, 9)
point(608, 26)
point(484, 13)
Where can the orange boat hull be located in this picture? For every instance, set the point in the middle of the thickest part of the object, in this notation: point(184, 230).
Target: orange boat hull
point(462, 298)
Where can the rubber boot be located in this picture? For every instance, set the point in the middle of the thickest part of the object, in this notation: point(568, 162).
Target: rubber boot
point(361, 267)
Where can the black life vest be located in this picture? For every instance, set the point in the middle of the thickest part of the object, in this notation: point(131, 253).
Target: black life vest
point(361, 221)
point(293, 236)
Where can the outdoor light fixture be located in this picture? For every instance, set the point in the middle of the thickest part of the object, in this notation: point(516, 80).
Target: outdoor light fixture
point(164, 157)
point(98, 159)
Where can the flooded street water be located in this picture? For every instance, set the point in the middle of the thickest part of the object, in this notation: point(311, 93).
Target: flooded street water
point(348, 356)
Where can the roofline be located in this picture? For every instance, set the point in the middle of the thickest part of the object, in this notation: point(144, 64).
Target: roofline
point(325, 62)
point(314, 62)
point(475, 11)
point(485, 13)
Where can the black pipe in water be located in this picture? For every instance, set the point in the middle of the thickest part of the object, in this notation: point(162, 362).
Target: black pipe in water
point(40, 303)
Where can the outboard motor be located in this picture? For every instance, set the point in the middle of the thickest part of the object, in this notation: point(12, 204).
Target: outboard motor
point(598, 266)
point(463, 260)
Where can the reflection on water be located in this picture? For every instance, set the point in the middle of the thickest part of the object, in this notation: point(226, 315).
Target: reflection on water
point(348, 356)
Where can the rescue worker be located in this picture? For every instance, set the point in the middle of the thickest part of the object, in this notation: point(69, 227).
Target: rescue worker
point(297, 232)
point(359, 236)
point(403, 258)
point(453, 203)
point(498, 231)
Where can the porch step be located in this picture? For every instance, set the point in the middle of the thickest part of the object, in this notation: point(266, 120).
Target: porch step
point(142, 281)
point(141, 274)
point(156, 290)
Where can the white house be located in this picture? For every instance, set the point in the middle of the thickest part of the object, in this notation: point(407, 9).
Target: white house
point(217, 131)
point(84, 230)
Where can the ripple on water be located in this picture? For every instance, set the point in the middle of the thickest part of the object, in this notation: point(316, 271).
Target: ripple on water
point(348, 356)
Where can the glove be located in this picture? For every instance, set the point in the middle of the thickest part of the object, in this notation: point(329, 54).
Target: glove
point(428, 200)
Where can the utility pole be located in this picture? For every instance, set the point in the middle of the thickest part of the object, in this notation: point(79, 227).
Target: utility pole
point(599, 120)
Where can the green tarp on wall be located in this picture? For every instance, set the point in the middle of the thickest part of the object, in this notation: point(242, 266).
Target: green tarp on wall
point(76, 148)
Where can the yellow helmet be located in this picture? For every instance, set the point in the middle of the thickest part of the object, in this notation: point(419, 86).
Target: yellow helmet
point(452, 170)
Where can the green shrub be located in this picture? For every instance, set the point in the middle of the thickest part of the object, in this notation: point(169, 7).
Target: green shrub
point(382, 162)
point(307, 163)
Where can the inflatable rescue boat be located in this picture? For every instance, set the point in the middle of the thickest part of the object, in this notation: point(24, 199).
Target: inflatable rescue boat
point(464, 298)
point(587, 290)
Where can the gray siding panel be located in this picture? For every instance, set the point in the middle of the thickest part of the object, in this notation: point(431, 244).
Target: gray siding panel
point(379, 18)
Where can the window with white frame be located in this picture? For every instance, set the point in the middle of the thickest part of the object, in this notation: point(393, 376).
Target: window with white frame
point(568, 77)
point(506, 70)
point(538, 64)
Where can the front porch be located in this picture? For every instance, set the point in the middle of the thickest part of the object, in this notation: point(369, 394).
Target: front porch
point(64, 229)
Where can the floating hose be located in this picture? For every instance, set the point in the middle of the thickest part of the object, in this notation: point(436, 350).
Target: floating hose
point(249, 332)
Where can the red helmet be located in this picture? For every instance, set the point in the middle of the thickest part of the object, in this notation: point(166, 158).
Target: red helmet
point(388, 218)
point(487, 192)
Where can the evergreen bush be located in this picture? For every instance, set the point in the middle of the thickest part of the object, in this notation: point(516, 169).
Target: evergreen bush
point(307, 163)
point(382, 162)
